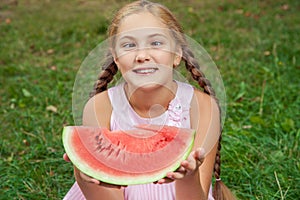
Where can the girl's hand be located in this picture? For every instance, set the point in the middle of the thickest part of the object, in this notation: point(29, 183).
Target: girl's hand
point(66, 158)
point(187, 168)
point(89, 179)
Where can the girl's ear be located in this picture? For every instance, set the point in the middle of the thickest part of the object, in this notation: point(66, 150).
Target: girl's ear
point(178, 57)
point(114, 55)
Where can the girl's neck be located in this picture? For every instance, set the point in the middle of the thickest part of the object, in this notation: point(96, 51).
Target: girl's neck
point(151, 102)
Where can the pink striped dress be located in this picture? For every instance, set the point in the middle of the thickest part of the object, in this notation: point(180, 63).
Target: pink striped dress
point(124, 117)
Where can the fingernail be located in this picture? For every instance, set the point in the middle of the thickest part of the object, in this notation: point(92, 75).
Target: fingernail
point(184, 163)
point(161, 181)
point(202, 151)
point(170, 176)
point(95, 181)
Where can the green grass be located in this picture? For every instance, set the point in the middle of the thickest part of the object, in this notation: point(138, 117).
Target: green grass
point(254, 43)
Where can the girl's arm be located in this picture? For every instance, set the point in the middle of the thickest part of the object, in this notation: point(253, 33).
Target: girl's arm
point(94, 191)
point(205, 120)
point(97, 112)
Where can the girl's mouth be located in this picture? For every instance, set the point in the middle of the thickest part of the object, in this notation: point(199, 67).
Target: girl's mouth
point(145, 70)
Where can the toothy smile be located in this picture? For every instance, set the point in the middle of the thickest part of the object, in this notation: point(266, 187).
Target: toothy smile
point(145, 70)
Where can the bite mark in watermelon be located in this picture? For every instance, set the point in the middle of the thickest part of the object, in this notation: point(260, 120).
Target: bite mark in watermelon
point(137, 156)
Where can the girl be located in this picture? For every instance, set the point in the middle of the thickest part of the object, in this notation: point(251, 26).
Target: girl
point(146, 43)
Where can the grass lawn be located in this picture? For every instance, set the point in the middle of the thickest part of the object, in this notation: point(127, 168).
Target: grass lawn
point(255, 44)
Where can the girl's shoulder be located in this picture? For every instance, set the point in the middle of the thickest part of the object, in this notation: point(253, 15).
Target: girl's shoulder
point(205, 119)
point(198, 95)
point(97, 110)
point(204, 98)
point(204, 104)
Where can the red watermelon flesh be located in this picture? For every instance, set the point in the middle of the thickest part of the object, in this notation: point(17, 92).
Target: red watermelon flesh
point(136, 156)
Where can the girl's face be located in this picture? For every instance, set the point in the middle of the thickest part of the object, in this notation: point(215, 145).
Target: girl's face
point(145, 52)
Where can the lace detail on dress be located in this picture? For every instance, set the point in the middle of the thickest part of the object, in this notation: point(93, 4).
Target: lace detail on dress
point(179, 107)
point(175, 112)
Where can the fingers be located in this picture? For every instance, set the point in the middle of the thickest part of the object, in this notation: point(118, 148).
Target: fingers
point(190, 164)
point(194, 160)
point(163, 180)
point(88, 179)
point(82, 177)
point(66, 157)
point(176, 175)
point(187, 167)
point(111, 185)
point(199, 155)
point(180, 173)
point(85, 178)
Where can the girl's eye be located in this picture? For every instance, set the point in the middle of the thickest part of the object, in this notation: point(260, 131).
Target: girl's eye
point(156, 43)
point(128, 45)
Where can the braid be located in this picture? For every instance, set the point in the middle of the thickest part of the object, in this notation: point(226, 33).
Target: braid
point(217, 193)
point(109, 70)
point(193, 67)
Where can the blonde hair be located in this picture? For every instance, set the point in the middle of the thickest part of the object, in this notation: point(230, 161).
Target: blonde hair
point(158, 10)
point(221, 192)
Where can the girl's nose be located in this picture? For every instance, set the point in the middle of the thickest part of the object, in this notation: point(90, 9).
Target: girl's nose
point(142, 55)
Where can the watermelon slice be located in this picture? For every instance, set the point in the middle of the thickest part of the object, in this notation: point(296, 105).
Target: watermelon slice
point(137, 156)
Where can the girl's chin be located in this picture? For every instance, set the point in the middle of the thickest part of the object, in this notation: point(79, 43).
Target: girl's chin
point(148, 82)
point(148, 86)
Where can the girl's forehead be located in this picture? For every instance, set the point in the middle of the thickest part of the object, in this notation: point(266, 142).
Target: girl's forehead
point(142, 20)
point(144, 33)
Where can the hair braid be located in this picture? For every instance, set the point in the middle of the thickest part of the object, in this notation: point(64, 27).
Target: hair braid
point(193, 67)
point(106, 76)
point(217, 193)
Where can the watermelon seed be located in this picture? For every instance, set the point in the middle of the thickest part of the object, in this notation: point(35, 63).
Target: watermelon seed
point(105, 148)
point(118, 152)
point(98, 139)
point(110, 151)
point(99, 148)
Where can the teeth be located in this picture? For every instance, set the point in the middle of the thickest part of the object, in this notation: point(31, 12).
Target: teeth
point(145, 71)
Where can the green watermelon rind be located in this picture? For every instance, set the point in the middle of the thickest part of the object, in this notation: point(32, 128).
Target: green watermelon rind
point(116, 179)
